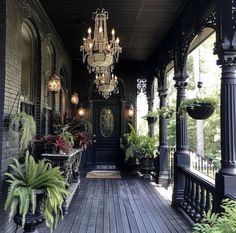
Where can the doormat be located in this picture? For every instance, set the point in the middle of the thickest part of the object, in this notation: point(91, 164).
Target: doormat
point(103, 175)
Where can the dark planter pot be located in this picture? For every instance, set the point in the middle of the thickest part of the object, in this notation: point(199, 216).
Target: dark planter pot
point(133, 165)
point(200, 111)
point(147, 165)
point(32, 220)
point(151, 120)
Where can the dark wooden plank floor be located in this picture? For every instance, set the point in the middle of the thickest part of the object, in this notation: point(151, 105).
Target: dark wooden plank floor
point(116, 206)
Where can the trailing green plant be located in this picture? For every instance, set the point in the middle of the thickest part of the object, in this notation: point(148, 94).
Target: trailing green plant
point(166, 111)
point(191, 102)
point(24, 125)
point(151, 114)
point(25, 179)
point(219, 223)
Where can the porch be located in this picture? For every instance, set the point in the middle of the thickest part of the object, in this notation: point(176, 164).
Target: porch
point(130, 204)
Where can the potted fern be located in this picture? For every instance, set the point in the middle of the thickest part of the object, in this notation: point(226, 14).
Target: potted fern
point(151, 117)
point(37, 192)
point(166, 111)
point(24, 125)
point(149, 151)
point(198, 108)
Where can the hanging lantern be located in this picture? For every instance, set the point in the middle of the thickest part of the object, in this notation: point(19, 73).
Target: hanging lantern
point(81, 111)
point(74, 98)
point(54, 84)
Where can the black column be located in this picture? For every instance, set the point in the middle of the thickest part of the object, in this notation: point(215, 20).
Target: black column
point(163, 144)
point(226, 50)
point(150, 125)
point(150, 99)
point(181, 156)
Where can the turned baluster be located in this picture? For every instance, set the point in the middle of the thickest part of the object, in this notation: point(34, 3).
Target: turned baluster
point(185, 202)
point(197, 203)
point(208, 201)
point(202, 201)
point(193, 198)
point(189, 207)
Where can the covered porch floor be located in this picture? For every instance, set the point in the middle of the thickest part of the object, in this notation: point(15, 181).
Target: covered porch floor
point(130, 204)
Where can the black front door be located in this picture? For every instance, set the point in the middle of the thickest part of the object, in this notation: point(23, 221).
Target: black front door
point(106, 134)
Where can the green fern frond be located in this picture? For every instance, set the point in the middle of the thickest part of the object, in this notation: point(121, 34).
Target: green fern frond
point(25, 179)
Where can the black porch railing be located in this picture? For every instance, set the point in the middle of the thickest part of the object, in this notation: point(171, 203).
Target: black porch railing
point(198, 193)
point(202, 164)
point(198, 162)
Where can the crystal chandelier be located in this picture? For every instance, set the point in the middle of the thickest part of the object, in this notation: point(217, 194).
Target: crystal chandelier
point(99, 52)
point(106, 83)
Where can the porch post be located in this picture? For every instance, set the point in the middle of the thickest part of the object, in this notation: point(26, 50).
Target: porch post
point(226, 51)
point(150, 125)
point(181, 156)
point(163, 144)
point(150, 99)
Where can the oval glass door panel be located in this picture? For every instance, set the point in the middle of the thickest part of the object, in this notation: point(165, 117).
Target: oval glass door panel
point(106, 122)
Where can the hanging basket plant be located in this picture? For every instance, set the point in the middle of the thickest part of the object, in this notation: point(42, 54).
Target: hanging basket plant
point(198, 108)
point(151, 117)
point(166, 112)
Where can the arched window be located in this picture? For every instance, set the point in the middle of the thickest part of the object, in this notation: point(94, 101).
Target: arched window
point(28, 64)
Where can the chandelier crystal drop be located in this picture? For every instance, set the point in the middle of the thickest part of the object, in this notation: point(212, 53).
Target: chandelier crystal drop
point(106, 83)
point(99, 52)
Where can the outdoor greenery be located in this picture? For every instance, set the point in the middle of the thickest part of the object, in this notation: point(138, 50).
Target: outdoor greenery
point(24, 125)
point(219, 223)
point(191, 102)
point(135, 144)
point(210, 89)
point(25, 179)
point(151, 114)
point(166, 111)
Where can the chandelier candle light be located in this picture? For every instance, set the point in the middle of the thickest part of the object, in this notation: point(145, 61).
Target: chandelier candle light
point(99, 52)
point(106, 83)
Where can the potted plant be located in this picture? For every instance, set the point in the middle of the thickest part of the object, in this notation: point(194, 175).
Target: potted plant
point(36, 191)
point(215, 222)
point(149, 152)
point(24, 125)
point(198, 108)
point(151, 117)
point(82, 140)
point(166, 111)
point(130, 144)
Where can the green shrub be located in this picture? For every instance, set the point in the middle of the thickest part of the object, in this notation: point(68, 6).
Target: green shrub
point(219, 223)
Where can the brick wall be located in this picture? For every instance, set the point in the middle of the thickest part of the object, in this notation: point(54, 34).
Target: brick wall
point(10, 74)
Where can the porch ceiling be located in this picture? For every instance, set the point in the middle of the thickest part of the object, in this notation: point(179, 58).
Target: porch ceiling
point(140, 24)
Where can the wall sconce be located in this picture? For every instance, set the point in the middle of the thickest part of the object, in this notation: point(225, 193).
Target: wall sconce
point(81, 111)
point(131, 111)
point(74, 99)
point(54, 84)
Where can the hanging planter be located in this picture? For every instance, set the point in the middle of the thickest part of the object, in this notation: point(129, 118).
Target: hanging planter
point(198, 108)
point(166, 112)
point(151, 117)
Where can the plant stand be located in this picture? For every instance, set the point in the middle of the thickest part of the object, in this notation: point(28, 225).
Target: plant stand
point(69, 164)
point(200, 111)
